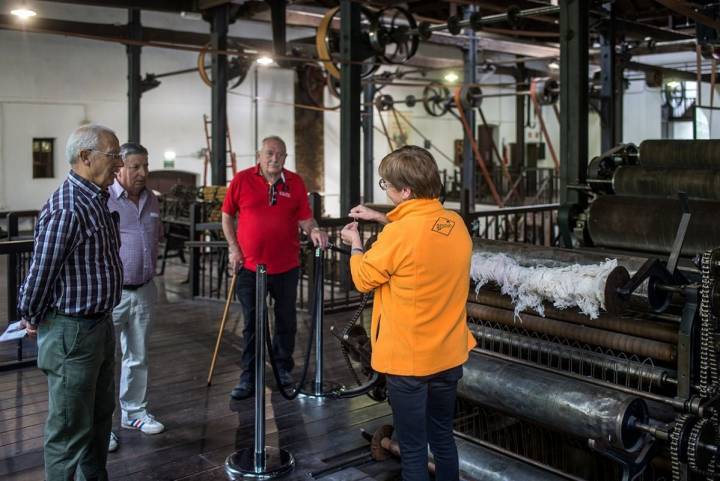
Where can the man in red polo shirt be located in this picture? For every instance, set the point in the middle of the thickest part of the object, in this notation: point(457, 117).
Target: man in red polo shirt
point(270, 203)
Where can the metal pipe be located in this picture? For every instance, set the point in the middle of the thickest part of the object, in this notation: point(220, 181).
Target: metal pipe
point(319, 302)
point(635, 326)
point(584, 410)
point(589, 335)
point(674, 403)
point(260, 320)
point(545, 352)
point(491, 19)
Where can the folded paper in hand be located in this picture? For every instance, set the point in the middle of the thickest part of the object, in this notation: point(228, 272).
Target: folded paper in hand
point(14, 331)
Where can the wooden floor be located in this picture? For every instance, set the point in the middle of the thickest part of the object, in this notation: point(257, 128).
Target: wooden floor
point(203, 426)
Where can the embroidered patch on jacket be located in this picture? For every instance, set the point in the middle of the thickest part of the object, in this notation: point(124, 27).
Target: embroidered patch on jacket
point(443, 226)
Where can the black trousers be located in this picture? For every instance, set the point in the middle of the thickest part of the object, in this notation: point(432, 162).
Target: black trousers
point(432, 399)
point(283, 289)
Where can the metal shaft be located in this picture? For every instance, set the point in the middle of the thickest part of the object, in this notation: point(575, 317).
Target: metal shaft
point(495, 18)
point(635, 326)
point(586, 410)
point(589, 335)
point(260, 320)
point(319, 316)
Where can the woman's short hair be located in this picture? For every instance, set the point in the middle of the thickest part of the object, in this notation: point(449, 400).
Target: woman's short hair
point(412, 167)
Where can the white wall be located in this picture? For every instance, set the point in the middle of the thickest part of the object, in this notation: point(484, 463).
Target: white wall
point(52, 83)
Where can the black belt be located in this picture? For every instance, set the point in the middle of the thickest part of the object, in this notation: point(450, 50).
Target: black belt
point(97, 316)
point(133, 287)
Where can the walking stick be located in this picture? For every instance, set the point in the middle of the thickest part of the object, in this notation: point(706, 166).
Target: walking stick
point(231, 292)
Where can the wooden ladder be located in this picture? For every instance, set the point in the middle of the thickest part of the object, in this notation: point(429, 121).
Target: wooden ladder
point(231, 158)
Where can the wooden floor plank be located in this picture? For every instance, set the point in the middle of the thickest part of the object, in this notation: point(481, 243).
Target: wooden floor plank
point(203, 425)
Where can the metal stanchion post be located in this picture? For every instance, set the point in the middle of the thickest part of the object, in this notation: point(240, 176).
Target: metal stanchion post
point(260, 462)
point(319, 388)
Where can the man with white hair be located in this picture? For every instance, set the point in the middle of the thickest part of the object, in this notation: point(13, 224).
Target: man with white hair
point(140, 232)
point(73, 283)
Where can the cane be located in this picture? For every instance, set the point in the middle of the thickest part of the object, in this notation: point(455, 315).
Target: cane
point(231, 292)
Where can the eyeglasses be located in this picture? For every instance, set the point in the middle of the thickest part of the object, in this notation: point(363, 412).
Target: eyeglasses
point(383, 183)
point(112, 155)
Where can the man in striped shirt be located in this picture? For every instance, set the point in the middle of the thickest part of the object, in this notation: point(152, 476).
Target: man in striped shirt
point(73, 284)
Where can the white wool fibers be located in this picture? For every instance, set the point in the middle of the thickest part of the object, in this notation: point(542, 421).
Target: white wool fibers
point(581, 286)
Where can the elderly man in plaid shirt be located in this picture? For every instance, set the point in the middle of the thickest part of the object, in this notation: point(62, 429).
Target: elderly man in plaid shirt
point(74, 281)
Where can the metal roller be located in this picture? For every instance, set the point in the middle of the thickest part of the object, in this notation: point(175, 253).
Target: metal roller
point(544, 352)
point(633, 180)
point(634, 326)
point(531, 255)
point(476, 462)
point(680, 154)
point(650, 224)
point(582, 409)
point(588, 335)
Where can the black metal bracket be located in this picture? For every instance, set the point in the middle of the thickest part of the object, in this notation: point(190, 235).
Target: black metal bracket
point(661, 276)
point(632, 464)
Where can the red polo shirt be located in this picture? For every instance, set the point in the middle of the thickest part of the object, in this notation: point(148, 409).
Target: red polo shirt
point(268, 234)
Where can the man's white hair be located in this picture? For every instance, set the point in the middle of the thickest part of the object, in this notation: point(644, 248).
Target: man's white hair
point(85, 137)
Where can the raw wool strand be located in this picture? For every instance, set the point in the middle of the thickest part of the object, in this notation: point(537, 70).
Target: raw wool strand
point(581, 286)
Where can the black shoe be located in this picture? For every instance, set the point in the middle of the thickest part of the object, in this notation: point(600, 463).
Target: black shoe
point(285, 378)
point(243, 390)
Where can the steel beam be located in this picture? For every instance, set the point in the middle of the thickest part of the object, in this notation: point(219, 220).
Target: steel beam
point(350, 89)
point(368, 143)
point(611, 94)
point(519, 153)
point(573, 96)
point(218, 40)
point(467, 197)
point(159, 5)
point(134, 79)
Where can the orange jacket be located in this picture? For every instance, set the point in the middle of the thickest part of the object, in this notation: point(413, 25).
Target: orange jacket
point(420, 270)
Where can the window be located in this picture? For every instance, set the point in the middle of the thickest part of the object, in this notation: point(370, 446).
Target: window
point(43, 158)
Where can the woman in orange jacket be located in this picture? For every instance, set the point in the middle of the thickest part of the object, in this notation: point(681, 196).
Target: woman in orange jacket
point(420, 270)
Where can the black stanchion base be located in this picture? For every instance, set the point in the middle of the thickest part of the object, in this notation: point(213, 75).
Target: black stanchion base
point(241, 464)
point(328, 387)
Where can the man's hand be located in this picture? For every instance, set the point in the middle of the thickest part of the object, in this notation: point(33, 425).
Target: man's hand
point(235, 259)
point(365, 213)
point(319, 237)
point(29, 328)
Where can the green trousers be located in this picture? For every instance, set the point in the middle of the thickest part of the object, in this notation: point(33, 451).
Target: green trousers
point(78, 357)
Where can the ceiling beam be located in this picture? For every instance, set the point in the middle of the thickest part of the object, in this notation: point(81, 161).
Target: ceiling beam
point(119, 33)
point(159, 5)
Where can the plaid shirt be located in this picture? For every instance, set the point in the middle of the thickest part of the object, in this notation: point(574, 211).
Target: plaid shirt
point(76, 265)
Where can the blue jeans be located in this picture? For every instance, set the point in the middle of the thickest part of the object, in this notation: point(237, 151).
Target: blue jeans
point(432, 398)
point(283, 289)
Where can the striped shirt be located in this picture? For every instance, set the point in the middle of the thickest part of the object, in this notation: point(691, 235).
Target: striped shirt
point(140, 232)
point(76, 265)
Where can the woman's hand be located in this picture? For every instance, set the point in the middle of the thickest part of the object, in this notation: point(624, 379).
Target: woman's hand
point(350, 235)
point(366, 213)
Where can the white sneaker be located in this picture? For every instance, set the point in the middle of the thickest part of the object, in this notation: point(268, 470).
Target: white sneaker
point(146, 424)
point(113, 444)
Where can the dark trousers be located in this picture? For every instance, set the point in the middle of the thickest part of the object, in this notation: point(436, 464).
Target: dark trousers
point(432, 398)
point(283, 289)
point(78, 357)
